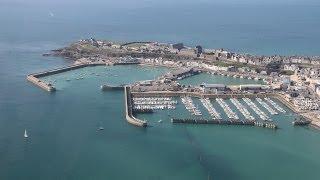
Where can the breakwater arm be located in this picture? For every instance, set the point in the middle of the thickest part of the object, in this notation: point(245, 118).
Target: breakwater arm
point(128, 105)
point(35, 77)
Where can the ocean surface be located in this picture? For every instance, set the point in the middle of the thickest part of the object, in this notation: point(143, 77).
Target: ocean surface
point(64, 142)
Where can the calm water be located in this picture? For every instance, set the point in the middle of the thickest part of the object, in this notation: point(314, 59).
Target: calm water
point(64, 142)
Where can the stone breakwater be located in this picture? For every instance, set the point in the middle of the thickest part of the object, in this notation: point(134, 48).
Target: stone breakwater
point(35, 77)
point(128, 105)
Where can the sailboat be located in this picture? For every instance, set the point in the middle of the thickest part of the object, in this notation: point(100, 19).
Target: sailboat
point(25, 134)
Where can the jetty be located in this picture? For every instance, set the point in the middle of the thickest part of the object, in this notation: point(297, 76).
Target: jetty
point(128, 109)
point(107, 87)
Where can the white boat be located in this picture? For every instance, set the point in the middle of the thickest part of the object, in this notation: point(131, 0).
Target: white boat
point(25, 134)
point(160, 121)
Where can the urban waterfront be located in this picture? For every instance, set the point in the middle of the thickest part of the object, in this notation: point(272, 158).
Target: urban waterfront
point(64, 141)
point(216, 79)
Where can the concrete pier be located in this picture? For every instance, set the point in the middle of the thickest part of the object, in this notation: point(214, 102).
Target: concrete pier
point(41, 84)
point(128, 105)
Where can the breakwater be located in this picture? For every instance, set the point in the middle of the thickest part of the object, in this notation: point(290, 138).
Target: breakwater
point(106, 87)
point(223, 122)
point(128, 105)
point(35, 77)
point(46, 86)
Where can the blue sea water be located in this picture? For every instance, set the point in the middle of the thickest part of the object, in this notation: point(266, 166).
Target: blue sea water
point(64, 142)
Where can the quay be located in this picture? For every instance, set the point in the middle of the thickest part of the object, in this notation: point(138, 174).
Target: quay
point(198, 95)
point(128, 109)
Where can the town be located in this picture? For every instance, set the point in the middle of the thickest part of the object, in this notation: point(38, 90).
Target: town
point(293, 80)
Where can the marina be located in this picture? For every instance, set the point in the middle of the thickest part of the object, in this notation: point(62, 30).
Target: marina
point(153, 103)
point(257, 110)
point(231, 114)
point(212, 111)
point(266, 106)
point(244, 111)
point(190, 106)
point(275, 105)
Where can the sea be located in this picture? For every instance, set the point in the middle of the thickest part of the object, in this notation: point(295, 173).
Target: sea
point(64, 141)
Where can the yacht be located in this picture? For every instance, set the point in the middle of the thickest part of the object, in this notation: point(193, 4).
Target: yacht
point(25, 134)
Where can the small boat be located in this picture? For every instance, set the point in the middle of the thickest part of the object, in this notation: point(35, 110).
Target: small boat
point(25, 134)
point(101, 128)
point(68, 80)
point(160, 121)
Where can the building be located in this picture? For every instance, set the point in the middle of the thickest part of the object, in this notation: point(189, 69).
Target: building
point(178, 46)
point(232, 69)
point(253, 87)
point(199, 50)
point(213, 88)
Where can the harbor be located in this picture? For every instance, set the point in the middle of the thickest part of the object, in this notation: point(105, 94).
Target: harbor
point(161, 93)
point(196, 116)
point(77, 124)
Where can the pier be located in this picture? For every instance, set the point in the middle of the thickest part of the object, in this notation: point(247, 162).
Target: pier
point(128, 105)
point(107, 87)
point(222, 122)
point(46, 86)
